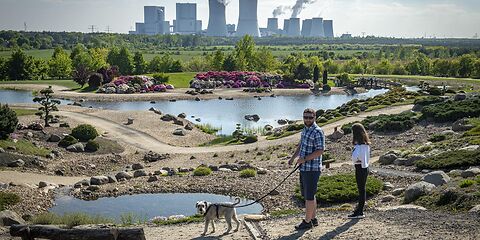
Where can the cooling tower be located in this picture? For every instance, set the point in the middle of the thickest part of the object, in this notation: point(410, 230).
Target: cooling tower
point(286, 24)
point(317, 28)
point(247, 20)
point(328, 28)
point(217, 23)
point(294, 27)
point(306, 27)
point(272, 24)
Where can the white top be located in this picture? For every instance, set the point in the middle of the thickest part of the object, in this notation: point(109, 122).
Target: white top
point(361, 155)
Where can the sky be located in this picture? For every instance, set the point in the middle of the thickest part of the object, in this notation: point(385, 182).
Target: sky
point(388, 18)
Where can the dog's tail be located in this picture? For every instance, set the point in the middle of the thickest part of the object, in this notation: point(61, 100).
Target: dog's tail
point(237, 201)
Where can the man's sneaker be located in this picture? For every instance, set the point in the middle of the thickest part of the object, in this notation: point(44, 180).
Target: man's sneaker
point(356, 216)
point(315, 222)
point(304, 225)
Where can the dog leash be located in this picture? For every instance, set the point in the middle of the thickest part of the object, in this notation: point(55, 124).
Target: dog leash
point(260, 199)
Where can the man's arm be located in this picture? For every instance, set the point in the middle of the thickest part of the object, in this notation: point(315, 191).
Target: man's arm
point(290, 162)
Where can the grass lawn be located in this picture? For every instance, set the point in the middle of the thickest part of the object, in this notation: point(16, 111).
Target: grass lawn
point(25, 147)
point(420, 78)
point(68, 83)
point(24, 112)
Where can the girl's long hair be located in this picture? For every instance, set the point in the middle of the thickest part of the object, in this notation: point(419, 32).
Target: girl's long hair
point(360, 135)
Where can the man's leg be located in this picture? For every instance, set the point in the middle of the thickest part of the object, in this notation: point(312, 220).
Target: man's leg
point(311, 206)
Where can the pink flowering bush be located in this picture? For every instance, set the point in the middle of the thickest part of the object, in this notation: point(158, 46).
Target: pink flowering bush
point(134, 84)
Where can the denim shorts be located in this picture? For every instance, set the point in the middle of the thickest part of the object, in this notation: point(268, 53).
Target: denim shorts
point(308, 184)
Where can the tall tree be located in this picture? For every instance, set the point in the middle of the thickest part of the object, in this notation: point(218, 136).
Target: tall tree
point(316, 74)
point(140, 63)
point(60, 65)
point(245, 53)
point(122, 58)
point(217, 60)
point(20, 66)
point(48, 104)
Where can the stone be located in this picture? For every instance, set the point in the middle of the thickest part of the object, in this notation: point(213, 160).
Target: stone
point(388, 186)
point(224, 170)
point(161, 172)
point(156, 111)
point(183, 170)
point(139, 173)
point(167, 117)
point(16, 163)
point(213, 168)
point(59, 172)
point(64, 125)
point(268, 127)
point(93, 188)
point(8, 218)
point(197, 99)
point(2, 150)
point(153, 156)
point(182, 115)
point(398, 191)
point(137, 166)
point(77, 104)
point(35, 126)
point(189, 126)
point(387, 159)
point(416, 190)
point(178, 122)
point(400, 161)
point(77, 147)
point(112, 179)
point(460, 97)
point(436, 178)
point(29, 135)
point(130, 121)
point(336, 135)
point(179, 132)
point(402, 207)
point(43, 184)
point(99, 180)
point(123, 175)
point(388, 198)
point(461, 125)
point(198, 119)
point(153, 178)
point(12, 148)
point(253, 117)
point(255, 217)
point(414, 158)
point(475, 209)
point(50, 156)
point(471, 172)
point(470, 148)
point(261, 171)
point(282, 121)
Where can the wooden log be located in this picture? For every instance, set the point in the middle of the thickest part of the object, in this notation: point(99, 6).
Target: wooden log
point(30, 232)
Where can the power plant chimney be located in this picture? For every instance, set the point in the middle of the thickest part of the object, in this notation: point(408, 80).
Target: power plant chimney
point(328, 28)
point(286, 25)
point(247, 20)
point(306, 27)
point(317, 28)
point(217, 23)
point(294, 27)
point(272, 25)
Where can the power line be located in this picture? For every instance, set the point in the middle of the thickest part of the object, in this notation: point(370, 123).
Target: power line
point(92, 28)
point(108, 29)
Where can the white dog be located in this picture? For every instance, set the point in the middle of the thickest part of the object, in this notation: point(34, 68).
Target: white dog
point(212, 211)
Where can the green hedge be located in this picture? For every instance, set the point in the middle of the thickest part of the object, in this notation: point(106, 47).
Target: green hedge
point(84, 132)
point(386, 123)
point(428, 100)
point(450, 160)
point(247, 173)
point(7, 199)
point(450, 110)
point(67, 141)
point(202, 171)
point(92, 146)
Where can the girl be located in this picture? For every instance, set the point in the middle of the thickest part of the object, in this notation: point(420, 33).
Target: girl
point(360, 158)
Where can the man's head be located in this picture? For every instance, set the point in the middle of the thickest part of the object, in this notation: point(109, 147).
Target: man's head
point(308, 117)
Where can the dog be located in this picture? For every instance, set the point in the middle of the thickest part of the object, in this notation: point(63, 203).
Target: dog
point(213, 211)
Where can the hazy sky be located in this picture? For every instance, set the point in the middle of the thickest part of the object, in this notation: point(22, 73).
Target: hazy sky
point(398, 18)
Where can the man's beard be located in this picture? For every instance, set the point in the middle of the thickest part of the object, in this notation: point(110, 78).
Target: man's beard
point(308, 125)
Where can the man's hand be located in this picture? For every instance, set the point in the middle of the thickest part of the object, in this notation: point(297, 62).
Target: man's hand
point(290, 162)
point(301, 161)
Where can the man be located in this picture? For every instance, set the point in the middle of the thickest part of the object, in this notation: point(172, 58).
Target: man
point(309, 151)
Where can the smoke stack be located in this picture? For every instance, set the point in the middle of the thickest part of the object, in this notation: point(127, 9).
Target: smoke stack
point(272, 25)
point(247, 21)
point(217, 23)
point(317, 28)
point(294, 27)
point(286, 25)
point(306, 27)
point(328, 28)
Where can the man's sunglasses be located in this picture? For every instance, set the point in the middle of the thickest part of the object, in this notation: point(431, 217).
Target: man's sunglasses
point(308, 117)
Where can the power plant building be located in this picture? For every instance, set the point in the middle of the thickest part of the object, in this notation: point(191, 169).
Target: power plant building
point(247, 20)
point(186, 20)
point(154, 21)
point(217, 22)
point(328, 28)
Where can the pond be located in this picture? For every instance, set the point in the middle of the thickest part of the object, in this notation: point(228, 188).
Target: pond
point(146, 206)
point(223, 114)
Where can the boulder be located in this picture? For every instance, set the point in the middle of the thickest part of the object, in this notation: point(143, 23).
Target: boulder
point(16, 163)
point(388, 186)
point(400, 161)
point(387, 159)
point(460, 97)
point(140, 173)
point(414, 158)
point(153, 178)
point(253, 117)
point(470, 148)
point(8, 218)
point(161, 172)
point(179, 132)
point(268, 127)
point(182, 115)
point(261, 171)
point(112, 179)
point(123, 175)
point(398, 191)
point(388, 198)
point(2, 150)
point(475, 209)
point(461, 125)
point(336, 135)
point(177, 121)
point(77, 147)
point(137, 166)
point(35, 126)
point(416, 190)
point(189, 126)
point(167, 117)
point(282, 121)
point(471, 172)
point(436, 178)
point(153, 156)
point(183, 170)
point(43, 184)
point(99, 180)
point(213, 168)
point(64, 125)
point(93, 188)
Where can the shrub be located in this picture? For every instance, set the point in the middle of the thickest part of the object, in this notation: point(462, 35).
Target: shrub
point(342, 188)
point(435, 91)
point(161, 77)
point(248, 173)
point(8, 121)
point(347, 128)
point(67, 141)
point(84, 132)
point(322, 120)
point(450, 111)
point(69, 219)
point(428, 100)
point(466, 183)
point(387, 123)
point(7, 199)
point(437, 138)
point(295, 127)
point(92, 146)
point(250, 139)
point(202, 171)
point(95, 80)
point(450, 160)
point(326, 88)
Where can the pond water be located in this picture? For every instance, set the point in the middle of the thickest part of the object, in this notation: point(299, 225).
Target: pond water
point(146, 206)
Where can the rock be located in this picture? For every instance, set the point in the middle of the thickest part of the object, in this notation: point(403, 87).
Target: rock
point(161, 172)
point(8, 218)
point(43, 184)
point(177, 122)
point(388, 198)
point(123, 175)
point(401, 207)
point(64, 125)
point(460, 97)
point(282, 121)
point(398, 191)
point(59, 172)
point(29, 135)
point(183, 170)
point(153, 178)
point(179, 132)
point(50, 156)
point(130, 121)
point(414, 158)
point(35, 126)
point(255, 217)
point(213, 168)
point(99, 180)
point(400, 161)
point(335, 135)
point(2, 150)
point(77, 104)
point(153, 156)
point(461, 125)
point(268, 127)
point(137, 166)
point(16, 163)
point(470, 148)
point(261, 171)
point(12, 148)
point(182, 115)
point(155, 110)
point(167, 117)
point(229, 98)
point(224, 170)
point(388, 186)
point(189, 126)
point(436, 178)
point(140, 173)
point(197, 99)
point(93, 188)
point(417, 190)
point(387, 159)
point(112, 179)
point(198, 119)
point(475, 209)
point(77, 147)
point(471, 172)
point(253, 117)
